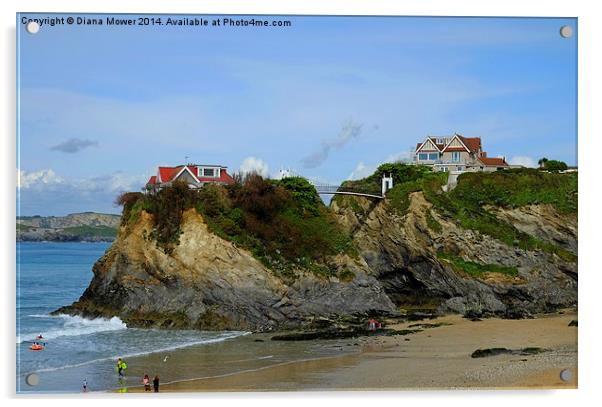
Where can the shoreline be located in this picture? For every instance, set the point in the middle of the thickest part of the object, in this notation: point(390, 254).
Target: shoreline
point(438, 357)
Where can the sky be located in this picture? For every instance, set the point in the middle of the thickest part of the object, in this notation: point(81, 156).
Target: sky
point(330, 98)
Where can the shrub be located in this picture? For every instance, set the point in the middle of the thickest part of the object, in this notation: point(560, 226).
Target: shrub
point(554, 165)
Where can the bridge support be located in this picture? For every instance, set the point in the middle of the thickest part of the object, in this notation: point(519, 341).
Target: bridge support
point(387, 183)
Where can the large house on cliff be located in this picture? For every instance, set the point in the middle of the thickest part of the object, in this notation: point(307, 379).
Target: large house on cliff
point(195, 175)
point(456, 153)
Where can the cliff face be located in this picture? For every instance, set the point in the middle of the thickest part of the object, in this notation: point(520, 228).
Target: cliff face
point(209, 283)
point(403, 252)
point(449, 252)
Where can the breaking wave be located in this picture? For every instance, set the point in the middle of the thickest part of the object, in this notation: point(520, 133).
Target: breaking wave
point(75, 326)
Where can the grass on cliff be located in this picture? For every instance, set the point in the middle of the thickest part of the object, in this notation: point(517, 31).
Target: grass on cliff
point(518, 187)
point(476, 269)
point(283, 223)
point(466, 204)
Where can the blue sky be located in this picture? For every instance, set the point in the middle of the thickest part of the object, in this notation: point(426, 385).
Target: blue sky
point(329, 97)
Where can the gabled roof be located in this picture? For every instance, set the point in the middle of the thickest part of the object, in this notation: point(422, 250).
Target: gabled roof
point(473, 143)
point(470, 144)
point(493, 161)
point(433, 140)
point(168, 174)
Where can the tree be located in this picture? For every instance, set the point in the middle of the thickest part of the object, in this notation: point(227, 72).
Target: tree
point(542, 162)
point(555, 166)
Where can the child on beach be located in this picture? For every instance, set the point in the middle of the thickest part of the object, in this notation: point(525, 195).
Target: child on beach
point(146, 382)
point(85, 386)
point(121, 366)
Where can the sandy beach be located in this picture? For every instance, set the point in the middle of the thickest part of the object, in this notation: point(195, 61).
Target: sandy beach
point(438, 357)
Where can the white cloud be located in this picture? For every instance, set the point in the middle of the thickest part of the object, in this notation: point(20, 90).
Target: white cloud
point(46, 193)
point(27, 179)
point(523, 160)
point(254, 165)
point(362, 171)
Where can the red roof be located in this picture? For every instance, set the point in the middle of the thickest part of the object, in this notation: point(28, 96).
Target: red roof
point(490, 161)
point(473, 143)
point(167, 174)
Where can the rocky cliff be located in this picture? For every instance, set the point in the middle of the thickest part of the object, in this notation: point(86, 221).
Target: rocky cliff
point(209, 283)
point(404, 252)
point(475, 251)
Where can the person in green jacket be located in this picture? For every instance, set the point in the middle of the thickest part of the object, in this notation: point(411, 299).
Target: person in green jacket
point(121, 366)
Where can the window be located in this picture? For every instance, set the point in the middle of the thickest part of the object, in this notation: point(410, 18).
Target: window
point(208, 172)
point(433, 156)
point(423, 157)
point(455, 156)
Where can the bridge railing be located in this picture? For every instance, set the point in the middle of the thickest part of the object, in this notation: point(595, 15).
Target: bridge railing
point(334, 189)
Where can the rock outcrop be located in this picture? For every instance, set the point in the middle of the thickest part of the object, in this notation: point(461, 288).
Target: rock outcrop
point(402, 253)
point(209, 283)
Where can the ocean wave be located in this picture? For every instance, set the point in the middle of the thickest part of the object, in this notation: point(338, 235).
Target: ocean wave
point(207, 341)
point(75, 326)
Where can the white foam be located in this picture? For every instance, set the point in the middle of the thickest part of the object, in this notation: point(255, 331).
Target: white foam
point(75, 326)
point(230, 335)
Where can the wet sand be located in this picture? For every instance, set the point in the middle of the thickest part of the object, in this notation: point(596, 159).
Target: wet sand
point(436, 358)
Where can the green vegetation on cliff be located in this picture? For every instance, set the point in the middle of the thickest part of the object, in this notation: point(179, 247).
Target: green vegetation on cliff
point(283, 223)
point(476, 269)
point(518, 187)
point(467, 204)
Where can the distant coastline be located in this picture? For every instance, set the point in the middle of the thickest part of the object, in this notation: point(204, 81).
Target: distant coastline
point(75, 227)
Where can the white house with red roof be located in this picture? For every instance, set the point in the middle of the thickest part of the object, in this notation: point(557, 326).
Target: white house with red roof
point(456, 153)
point(194, 175)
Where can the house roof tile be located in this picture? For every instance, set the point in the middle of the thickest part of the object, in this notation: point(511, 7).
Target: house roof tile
point(473, 143)
point(493, 161)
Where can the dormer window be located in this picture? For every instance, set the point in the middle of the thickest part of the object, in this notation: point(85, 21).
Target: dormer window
point(209, 172)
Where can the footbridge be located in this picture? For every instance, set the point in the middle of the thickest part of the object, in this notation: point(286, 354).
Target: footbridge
point(329, 189)
point(326, 189)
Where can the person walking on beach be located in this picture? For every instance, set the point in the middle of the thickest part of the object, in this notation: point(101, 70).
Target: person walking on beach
point(156, 383)
point(372, 324)
point(85, 386)
point(121, 366)
point(146, 382)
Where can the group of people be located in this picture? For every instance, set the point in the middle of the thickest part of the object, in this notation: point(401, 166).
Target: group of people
point(374, 324)
point(121, 366)
point(147, 385)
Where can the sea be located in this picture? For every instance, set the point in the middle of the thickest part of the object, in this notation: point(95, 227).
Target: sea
point(77, 350)
point(51, 275)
